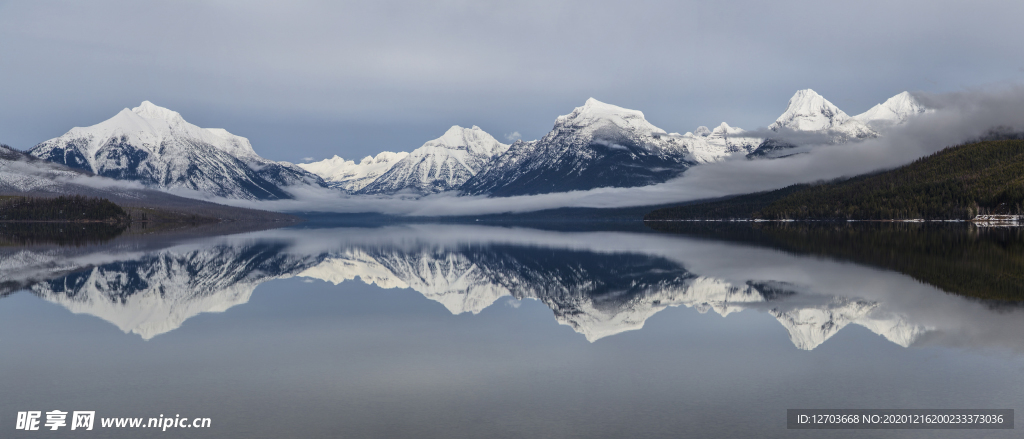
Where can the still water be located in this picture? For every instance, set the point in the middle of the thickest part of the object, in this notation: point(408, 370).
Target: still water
point(452, 331)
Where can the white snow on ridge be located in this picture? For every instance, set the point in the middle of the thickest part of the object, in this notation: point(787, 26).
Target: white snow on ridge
point(441, 164)
point(352, 176)
point(894, 111)
point(448, 279)
point(708, 146)
point(596, 116)
point(809, 111)
point(438, 165)
point(464, 287)
point(157, 147)
point(148, 126)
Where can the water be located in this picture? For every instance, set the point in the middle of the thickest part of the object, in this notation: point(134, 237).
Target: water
point(453, 331)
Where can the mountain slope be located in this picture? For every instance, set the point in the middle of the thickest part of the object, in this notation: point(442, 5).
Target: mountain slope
point(157, 147)
point(24, 175)
point(441, 164)
point(597, 145)
point(956, 183)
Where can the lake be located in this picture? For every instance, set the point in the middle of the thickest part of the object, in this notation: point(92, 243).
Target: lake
point(518, 331)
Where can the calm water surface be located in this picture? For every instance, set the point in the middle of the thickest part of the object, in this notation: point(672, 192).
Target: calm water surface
point(455, 331)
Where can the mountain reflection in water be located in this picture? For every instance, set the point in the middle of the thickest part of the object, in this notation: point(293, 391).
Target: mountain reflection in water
point(598, 283)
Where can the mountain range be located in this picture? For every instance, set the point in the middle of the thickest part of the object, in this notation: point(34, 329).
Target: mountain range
point(596, 145)
point(603, 145)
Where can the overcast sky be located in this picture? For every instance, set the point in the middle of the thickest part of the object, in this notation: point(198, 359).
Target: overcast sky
point(314, 79)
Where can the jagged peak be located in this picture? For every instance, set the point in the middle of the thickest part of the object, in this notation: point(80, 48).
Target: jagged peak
point(382, 157)
point(455, 129)
point(905, 95)
point(702, 131)
point(721, 130)
point(595, 113)
point(808, 100)
point(150, 110)
point(458, 137)
point(458, 130)
point(810, 111)
point(894, 110)
point(596, 107)
point(805, 94)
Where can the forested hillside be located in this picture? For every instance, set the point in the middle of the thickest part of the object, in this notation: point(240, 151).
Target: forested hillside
point(63, 208)
point(956, 183)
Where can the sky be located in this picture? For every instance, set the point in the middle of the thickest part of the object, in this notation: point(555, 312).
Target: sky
point(311, 79)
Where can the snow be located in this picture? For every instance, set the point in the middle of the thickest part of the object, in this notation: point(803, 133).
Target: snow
point(894, 111)
point(809, 111)
point(150, 293)
point(149, 126)
point(462, 286)
point(352, 176)
point(153, 293)
point(442, 164)
point(449, 279)
point(595, 114)
point(707, 146)
point(156, 146)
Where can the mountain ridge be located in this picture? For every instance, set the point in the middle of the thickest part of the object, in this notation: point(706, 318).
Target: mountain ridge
point(157, 147)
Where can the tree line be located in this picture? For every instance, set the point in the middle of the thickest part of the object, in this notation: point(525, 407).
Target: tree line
point(958, 182)
point(62, 208)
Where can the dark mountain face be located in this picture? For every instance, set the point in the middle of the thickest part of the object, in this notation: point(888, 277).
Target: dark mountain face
point(560, 166)
point(71, 157)
point(597, 145)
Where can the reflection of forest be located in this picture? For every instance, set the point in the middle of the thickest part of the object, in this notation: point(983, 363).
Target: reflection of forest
point(986, 263)
point(60, 233)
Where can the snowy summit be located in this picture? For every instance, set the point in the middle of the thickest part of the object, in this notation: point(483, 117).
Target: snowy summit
point(809, 111)
point(157, 147)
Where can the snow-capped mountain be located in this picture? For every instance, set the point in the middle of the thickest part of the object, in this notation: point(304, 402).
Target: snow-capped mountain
point(350, 176)
point(894, 111)
point(157, 147)
point(809, 111)
point(708, 146)
point(441, 164)
point(597, 145)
